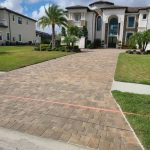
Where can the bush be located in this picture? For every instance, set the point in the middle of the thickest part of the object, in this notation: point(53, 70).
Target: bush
point(139, 52)
point(97, 43)
point(42, 47)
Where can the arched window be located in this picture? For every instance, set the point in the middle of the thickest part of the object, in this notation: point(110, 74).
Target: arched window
point(99, 23)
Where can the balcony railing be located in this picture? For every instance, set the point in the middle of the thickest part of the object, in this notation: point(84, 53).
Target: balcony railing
point(3, 23)
point(80, 23)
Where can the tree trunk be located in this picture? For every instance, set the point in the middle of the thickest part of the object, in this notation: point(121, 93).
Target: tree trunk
point(53, 37)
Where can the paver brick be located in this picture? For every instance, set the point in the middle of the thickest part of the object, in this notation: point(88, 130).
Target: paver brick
point(54, 99)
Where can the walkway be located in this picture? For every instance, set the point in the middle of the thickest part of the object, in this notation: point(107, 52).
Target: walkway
point(131, 87)
point(67, 99)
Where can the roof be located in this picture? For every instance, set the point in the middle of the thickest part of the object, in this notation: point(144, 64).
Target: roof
point(144, 8)
point(128, 9)
point(42, 33)
point(77, 7)
point(114, 7)
point(11, 11)
point(80, 7)
point(101, 2)
point(132, 10)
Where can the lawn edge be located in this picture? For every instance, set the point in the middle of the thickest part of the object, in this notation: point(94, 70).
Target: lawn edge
point(119, 107)
point(139, 142)
point(36, 63)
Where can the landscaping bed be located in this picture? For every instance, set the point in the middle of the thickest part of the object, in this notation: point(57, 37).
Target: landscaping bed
point(14, 57)
point(133, 68)
point(139, 104)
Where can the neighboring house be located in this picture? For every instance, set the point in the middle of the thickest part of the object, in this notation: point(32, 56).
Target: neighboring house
point(15, 27)
point(110, 23)
point(43, 37)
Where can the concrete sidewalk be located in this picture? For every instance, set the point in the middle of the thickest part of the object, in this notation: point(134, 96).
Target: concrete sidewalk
point(131, 87)
point(13, 140)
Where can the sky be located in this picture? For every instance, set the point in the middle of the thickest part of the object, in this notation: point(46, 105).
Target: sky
point(35, 8)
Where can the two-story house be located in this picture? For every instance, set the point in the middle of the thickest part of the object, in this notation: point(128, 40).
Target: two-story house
point(15, 27)
point(108, 22)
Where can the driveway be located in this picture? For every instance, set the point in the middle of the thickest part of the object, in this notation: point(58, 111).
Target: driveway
point(69, 100)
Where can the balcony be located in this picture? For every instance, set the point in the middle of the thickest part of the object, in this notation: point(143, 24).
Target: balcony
point(3, 23)
point(80, 23)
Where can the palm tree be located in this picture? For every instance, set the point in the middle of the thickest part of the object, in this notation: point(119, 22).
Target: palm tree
point(53, 16)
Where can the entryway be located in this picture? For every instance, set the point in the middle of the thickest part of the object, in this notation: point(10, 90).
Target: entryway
point(113, 31)
point(112, 41)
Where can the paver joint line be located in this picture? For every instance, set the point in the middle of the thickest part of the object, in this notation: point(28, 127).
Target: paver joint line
point(77, 106)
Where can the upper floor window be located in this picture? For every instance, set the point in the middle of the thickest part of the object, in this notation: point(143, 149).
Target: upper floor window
point(99, 23)
point(19, 20)
point(77, 16)
point(13, 17)
point(1, 36)
point(144, 16)
point(131, 21)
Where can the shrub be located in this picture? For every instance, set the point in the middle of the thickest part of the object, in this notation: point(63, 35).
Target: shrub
point(42, 47)
point(97, 43)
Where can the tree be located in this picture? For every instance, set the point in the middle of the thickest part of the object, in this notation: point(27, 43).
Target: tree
point(85, 32)
point(70, 39)
point(141, 39)
point(73, 30)
point(63, 31)
point(53, 16)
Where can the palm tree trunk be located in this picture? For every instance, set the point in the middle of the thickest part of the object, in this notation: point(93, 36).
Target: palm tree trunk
point(53, 37)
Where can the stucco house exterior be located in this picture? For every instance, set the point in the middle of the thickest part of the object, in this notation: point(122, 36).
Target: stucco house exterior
point(110, 23)
point(15, 27)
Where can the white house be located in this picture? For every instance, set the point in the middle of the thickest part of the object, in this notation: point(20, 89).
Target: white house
point(110, 23)
point(15, 27)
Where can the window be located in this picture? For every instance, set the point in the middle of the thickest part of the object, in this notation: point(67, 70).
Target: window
point(27, 22)
point(19, 20)
point(144, 16)
point(131, 21)
point(13, 18)
point(8, 36)
point(113, 27)
point(14, 39)
point(77, 17)
point(128, 35)
point(20, 38)
point(1, 36)
point(98, 23)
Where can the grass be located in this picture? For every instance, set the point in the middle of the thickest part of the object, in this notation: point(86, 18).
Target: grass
point(139, 104)
point(14, 57)
point(133, 68)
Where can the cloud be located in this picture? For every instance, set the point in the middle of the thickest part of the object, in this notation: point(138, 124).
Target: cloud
point(33, 1)
point(13, 5)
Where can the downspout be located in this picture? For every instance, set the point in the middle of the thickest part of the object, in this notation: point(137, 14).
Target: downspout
point(9, 27)
point(147, 19)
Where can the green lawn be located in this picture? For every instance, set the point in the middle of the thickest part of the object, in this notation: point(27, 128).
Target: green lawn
point(137, 104)
point(133, 68)
point(13, 57)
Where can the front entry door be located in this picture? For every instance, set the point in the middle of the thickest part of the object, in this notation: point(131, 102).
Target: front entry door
point(112, 42)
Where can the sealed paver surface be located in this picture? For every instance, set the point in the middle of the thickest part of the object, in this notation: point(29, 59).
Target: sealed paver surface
point(67, 99)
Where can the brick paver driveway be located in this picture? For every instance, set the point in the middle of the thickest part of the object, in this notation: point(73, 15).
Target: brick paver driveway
point(62, 99)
